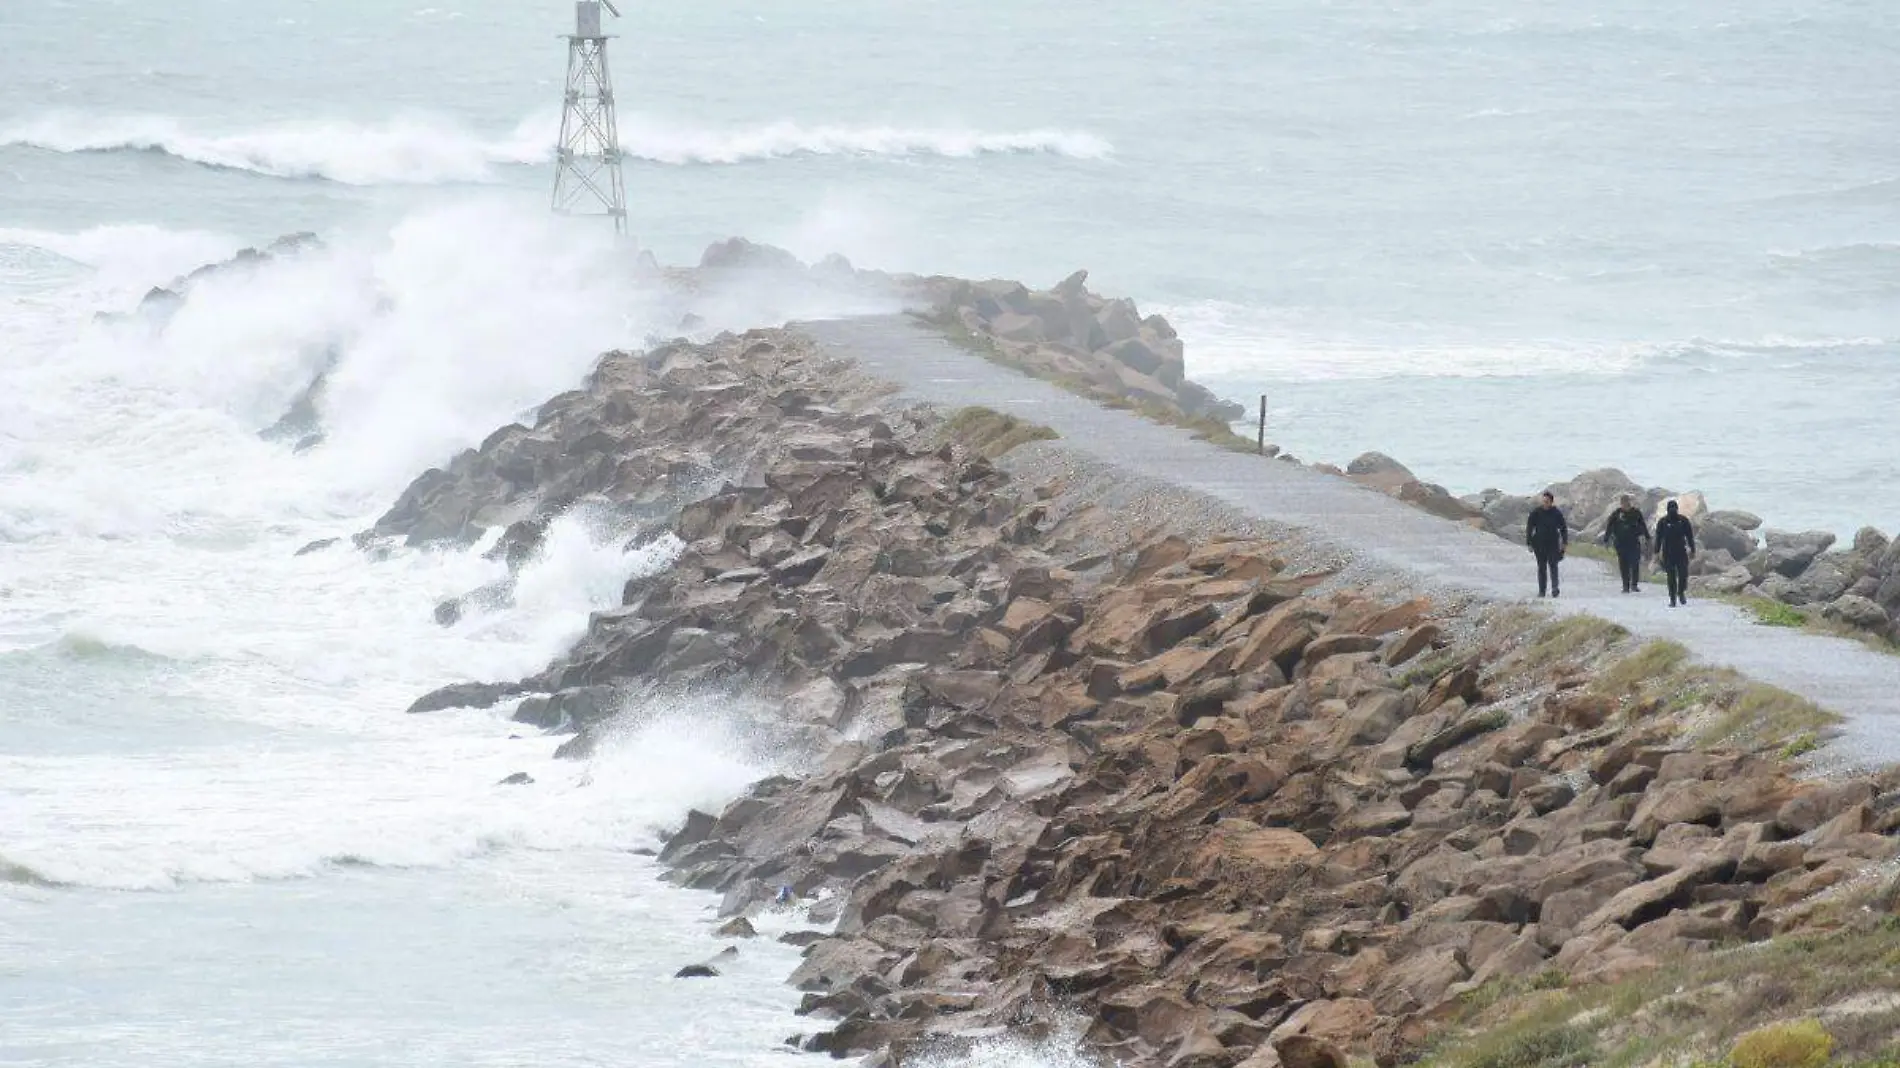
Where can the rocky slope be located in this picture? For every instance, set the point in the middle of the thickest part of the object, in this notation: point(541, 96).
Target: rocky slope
point(1226, 809)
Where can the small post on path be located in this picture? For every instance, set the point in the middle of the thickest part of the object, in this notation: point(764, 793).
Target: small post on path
point(1262, 445)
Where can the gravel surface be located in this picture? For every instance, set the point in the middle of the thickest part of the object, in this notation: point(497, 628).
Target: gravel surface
point(1155, 473)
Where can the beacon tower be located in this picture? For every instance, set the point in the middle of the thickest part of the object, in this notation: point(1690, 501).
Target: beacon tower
point(587, 178)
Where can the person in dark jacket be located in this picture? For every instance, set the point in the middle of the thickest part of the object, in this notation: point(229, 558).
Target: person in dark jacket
point(1675, 543)
point(1629, 532)
point(1549, 538)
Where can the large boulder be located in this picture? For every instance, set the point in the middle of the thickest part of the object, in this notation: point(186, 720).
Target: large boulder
point(1713, 533)
point(1789, 554)
point(1505, 514)
point(1590, 496)
point(1820, 582)
point(1733, 580)
point(1379, 471)
point(1690, 504)
point(1135, 352)
point(1856, 612)
point(736, 253)
point(1870, 544)
point(1118, 321)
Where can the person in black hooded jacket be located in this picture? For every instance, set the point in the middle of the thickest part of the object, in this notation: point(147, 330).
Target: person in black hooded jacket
point(1549, 538)
point(1629, 532)
point(1675, 543)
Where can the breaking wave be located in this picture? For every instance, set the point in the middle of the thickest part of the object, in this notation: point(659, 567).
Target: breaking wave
point(418, 150)
point(426, 150)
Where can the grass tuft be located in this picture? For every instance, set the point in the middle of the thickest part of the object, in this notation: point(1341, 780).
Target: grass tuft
point(1772, 613)
point(1801, 1044)
point(1654, 661)
point(1800, 745)
point(992, 433)
point(1572, 637)
point(1769, 715)
point(1205, 427)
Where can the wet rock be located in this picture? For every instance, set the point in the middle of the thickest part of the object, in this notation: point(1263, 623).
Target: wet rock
point(466, 695)
point(568, 709)
point(519, 778)
point(697, 971)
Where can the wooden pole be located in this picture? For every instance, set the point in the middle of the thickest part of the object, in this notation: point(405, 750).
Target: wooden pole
point(1263, 425)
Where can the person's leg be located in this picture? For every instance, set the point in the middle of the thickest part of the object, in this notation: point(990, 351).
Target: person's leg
point(1555, 558)
point(1626, 564)
point(1543, 571)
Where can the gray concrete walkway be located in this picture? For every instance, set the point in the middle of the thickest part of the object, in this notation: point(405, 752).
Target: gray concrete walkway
point(1843, 676)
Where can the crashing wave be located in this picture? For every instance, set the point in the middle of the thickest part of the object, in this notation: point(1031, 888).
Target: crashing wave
point(426, 150)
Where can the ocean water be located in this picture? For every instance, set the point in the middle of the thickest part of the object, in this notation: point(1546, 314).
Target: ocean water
point(1502, 243)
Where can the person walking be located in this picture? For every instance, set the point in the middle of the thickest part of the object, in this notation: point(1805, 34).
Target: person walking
point(1675, 543)
point(1549, 538)
point(1629, 532)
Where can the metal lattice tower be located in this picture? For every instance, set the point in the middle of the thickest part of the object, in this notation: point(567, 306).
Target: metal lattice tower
point(587, 177)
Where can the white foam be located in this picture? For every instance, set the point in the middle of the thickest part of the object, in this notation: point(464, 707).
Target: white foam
point(225, 709)
point(446, 326)
point(425, 149)
point(401, 792)
point(1061, 1049)
point(122, 256)
point(663, 142)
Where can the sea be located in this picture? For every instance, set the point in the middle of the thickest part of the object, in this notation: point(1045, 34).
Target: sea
point(1503, 242)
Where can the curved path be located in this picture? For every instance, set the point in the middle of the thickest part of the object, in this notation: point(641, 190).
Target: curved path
point(1843, 676)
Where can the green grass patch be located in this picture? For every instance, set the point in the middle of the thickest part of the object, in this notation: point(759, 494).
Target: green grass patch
point(1654, 661)
point(1800, 745)
point(1760, 1006)
point(1426, 670)
point(1573, 637)
point(1768, 716)
point(1800, 1044)
point(1772, 613)
point(993, 433)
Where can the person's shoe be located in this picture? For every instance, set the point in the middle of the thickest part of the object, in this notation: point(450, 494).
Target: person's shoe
point(1672, 602)
point(1556, 593)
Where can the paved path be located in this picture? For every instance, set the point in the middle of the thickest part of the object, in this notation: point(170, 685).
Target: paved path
point(1841, 675)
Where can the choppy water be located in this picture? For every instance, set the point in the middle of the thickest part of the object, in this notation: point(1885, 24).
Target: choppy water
point(1503, 244)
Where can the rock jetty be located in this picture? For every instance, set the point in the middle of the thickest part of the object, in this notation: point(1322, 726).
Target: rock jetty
point(1223, 806)
point(1096, 346)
